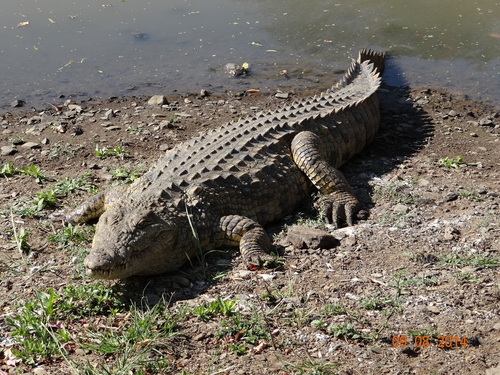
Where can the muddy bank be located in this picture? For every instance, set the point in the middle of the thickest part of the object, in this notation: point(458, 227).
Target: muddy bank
point(425, 263)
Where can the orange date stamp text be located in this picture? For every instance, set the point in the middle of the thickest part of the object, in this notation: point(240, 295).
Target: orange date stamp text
point(448, 341)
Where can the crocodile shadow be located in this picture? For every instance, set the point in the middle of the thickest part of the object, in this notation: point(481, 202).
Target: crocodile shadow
point(404, 129)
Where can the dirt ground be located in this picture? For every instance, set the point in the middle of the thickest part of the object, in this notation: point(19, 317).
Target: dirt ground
point(427, 258)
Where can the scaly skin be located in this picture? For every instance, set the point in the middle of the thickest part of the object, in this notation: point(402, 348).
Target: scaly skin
point(220, 188)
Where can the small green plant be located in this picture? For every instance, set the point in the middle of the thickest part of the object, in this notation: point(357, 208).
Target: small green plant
point(451, 163)
point(134, 130)
point(69, 234)
point(344, 330)
point(423, 332)
point(330, 309)
point(20, 237)
point(82, 301)
point(244, 330)
point(470, 195)
point(174, 119)
point(17, 140)
point(398, 191)
point(466, 277)
point(117, 151)
point(63, 151)
point(454, 163)
point(39, 336)
point(38, 326)
point(475, 260)
point(491, 218)
point(45, 199)
point(35, 172)
point(378, 302)
point(70, 185)
point(142, 328)
point(8, 170)
point(217, 307)
point(128, 173)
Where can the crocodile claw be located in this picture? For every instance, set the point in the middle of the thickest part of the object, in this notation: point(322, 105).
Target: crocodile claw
point(339, 208)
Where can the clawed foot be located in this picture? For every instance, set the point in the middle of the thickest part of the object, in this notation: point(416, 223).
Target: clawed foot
point(341, 208)
point(255, 261)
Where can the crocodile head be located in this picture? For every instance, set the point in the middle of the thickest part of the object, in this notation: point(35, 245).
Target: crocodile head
point(133, 241)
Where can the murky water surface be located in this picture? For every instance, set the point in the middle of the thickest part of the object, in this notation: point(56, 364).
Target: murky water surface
point(103, 48)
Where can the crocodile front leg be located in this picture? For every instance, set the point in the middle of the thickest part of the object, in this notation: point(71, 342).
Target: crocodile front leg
point(253, 241)
point(95, 206)
point(338, 202)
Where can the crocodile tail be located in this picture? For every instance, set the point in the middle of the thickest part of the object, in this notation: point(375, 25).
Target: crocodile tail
point(374, 57)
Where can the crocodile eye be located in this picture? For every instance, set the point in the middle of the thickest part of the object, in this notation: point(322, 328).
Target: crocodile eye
point(144, 222)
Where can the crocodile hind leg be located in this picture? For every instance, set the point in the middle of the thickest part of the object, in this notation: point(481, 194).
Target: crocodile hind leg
point(338, 202)
point(95, 206)
point(253, 241)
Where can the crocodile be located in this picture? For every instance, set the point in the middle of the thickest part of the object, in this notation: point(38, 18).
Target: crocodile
point(220, 188)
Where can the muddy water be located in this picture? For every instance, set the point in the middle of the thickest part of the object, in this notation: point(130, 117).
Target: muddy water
point(106, 48)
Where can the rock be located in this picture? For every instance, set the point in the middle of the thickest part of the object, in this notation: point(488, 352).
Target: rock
point(433, 309)
point(61, 128)
point(453, 113)
point(17, 103)
point(39, 371)
point(7, 150)
point(235, 70)
point(401, 208)
point(17, 141)
point(204, 93)
point(69, 114)
point(108, 114)
point(282, 95)
point(36, 130)
point(267, 277)
point(486, 122)
point(450, 233)
point(450, 197)
point(310, 238)
point(30, 145)
point(74, 107)
point(157, 100)
point(34, 120)
point(241, 275)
